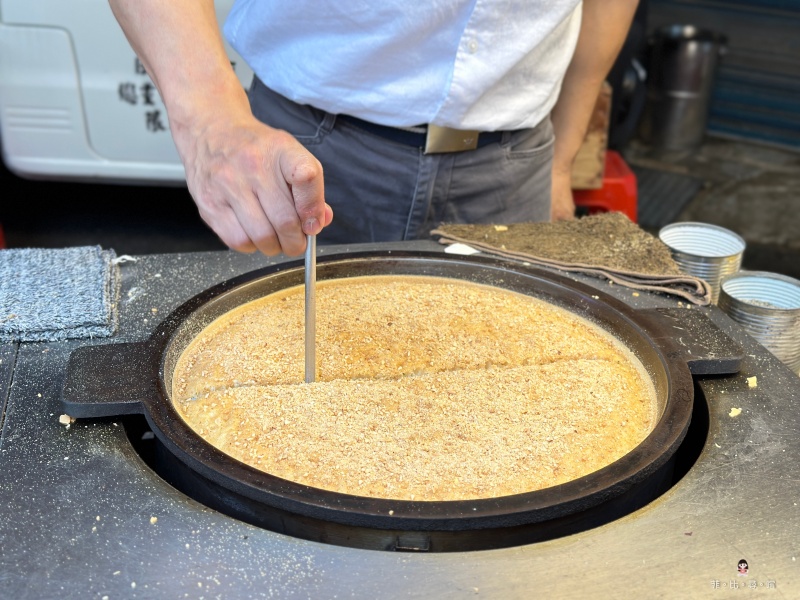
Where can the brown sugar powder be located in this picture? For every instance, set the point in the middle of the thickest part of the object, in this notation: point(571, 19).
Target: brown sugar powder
point(428, 389)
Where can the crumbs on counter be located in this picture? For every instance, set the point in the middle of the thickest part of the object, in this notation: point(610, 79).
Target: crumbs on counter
point(66, 420)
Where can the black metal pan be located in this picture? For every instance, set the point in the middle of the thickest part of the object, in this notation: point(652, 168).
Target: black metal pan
point(135, 378)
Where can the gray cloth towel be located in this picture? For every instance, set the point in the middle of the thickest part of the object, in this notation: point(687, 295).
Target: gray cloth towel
point(56, 294)
point(606, 245)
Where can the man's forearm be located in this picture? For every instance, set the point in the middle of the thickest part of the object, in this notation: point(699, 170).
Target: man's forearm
point(258, 188)
point(604, 27)
point(180, 45)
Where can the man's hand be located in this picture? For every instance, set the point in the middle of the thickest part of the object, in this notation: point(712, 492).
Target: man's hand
point(258, 188)
point(562, 204)
point(604, 25)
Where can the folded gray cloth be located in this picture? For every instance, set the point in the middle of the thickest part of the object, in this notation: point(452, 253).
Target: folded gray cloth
point(606, 245)
point(56, 294)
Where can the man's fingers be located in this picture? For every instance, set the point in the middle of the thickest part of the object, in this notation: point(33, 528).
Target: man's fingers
point(258, 227)
point(303, 174)
point(278, 209)
point(562, 205)
point(248, 220)
point(225, 223)
point(259, 189)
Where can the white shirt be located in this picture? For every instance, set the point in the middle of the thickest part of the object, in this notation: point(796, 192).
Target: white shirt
point(471, 64)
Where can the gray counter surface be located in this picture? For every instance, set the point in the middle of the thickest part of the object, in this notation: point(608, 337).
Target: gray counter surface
point(82, 516)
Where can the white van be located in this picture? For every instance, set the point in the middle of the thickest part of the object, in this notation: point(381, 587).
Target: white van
point(75, 102)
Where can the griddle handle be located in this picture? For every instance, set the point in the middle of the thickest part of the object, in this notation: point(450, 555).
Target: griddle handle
point(109, 380)
point(695, 338)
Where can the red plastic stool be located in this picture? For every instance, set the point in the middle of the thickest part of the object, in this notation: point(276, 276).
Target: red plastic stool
point(619, 192)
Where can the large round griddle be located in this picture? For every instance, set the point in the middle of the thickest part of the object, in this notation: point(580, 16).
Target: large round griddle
point(135, 378)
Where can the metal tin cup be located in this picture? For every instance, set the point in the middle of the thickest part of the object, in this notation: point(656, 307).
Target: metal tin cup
point(706, 251)
point(767, 306)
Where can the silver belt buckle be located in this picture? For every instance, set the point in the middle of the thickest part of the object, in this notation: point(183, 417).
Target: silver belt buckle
point(444, 139)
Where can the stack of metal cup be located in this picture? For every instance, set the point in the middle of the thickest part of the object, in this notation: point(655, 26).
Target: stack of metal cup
point(706, 251)
point(766, 305)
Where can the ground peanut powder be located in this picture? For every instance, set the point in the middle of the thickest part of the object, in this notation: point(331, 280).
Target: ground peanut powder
point(427, 389)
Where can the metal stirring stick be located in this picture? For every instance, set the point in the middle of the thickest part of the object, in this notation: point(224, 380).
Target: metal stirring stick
point(311, 308)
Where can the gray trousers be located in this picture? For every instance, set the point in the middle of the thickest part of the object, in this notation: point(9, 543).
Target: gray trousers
point(381, 190)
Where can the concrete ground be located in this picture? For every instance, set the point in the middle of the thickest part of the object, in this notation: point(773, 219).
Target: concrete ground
point(749, 188)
